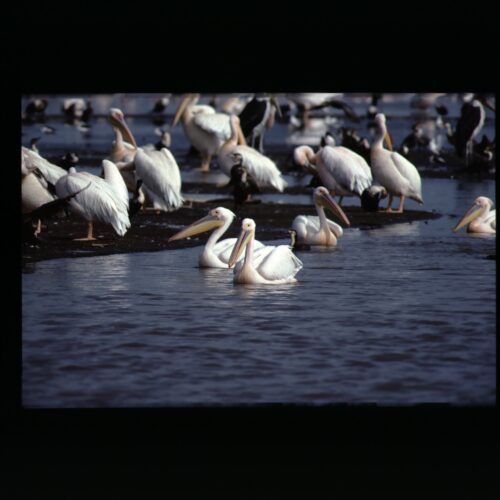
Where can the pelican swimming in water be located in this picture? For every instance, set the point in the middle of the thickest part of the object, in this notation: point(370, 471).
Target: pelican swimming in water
point(393, 171)
point(215, 253)
point(263, 170)
point(480, 218)
point(205, 129)
point(274, 265)
point(105, 200)
point(318, 230)
point(342, 171)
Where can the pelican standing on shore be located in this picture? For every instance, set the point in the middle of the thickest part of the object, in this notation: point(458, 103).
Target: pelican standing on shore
point(274, 265)
point(205, 129)
point(158, 170)
point(394, 172)
point(215, 253)
point(263, 170)
point(480, 218)
point(105, 200)
point(342, 171)
point(318, 230)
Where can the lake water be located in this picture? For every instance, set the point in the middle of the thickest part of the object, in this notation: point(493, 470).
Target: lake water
point(395, 316)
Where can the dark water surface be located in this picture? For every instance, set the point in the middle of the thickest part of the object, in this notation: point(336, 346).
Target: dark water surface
point(399, 315)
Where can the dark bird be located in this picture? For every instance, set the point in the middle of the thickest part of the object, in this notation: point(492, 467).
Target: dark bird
point(44, 212)
point(353, 141)
point(68, 160)
point(441, 109)
point(255, 117)
point(137, 200)
point(469, 125)
point(370, 198)
point(243, 183)
point(415, 140)
point(372, 109)
point(36, 107)
point(33, 142)
point(161, 105)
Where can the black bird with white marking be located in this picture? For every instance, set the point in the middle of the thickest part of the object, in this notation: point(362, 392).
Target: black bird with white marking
point(255, 117)
point(370, 198)
point(243, 183)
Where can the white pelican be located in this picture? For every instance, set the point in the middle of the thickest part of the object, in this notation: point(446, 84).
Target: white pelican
point(480, 217)
point(271, 265)
point(205, 129)
point(318, 230)
point(38, 177)
point(263, 170)
point(215, 253)
point(161, 178)
point(105, 199)
point(394, 172)
point(342, 171)
point(158, 170)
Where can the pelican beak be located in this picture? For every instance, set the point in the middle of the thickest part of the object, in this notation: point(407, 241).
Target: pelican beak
point(474, 212)
point(180, 110)
point(335, 208)
point(388, 140)
point(274, 102)
point(200, 226)
point(241, 137)
point(239, 246)
point(119, 122)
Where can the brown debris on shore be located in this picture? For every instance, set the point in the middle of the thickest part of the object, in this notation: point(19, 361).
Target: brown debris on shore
point(150, 230)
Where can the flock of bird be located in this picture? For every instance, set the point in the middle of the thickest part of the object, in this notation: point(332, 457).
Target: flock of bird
point(134, 177)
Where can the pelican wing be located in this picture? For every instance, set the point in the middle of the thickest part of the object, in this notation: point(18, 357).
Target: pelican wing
point(261, 168)
point(346, 168)
point(216, 123)
point(279, 264)
point(52, 173)
point(161, 177)
point(96, 200)
point(491, 219)
point(409, 172)
point(305, 224)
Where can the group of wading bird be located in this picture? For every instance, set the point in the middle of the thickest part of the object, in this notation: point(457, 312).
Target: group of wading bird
point(153, 177)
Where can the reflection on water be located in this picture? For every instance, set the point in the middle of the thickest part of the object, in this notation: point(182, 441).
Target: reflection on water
point(399, 315)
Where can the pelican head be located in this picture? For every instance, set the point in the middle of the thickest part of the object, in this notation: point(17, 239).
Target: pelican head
point(380, 121)
point(187, 100)
point(322, 198)
point(481, 206)
point(215, 218)
point(117, 120)
point(304, 157)
point(247, 234)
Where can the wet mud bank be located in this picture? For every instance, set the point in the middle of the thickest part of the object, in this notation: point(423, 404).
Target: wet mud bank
point(150, 230)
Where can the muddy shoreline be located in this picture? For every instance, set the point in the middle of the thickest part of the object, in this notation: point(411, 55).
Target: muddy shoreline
point(150, 230)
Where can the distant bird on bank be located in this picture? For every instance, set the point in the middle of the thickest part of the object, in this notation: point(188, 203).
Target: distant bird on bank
point(69, 160)
point(469, 125)
point(205, 129)
point(77, 109)
point(372, 108)
point(425, 101)
point(307, 102)
point(256, 116)
point(161, 105)
point(479, 218)
point(243, 183)
point(394, 172)
point(352, 140)
point(36, 108)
